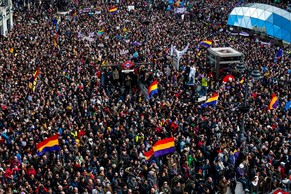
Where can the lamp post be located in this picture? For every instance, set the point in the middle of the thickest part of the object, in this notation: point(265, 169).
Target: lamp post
point(244, 108)
point(147, 21)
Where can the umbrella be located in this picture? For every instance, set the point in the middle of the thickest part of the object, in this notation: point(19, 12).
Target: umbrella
point(228, 78)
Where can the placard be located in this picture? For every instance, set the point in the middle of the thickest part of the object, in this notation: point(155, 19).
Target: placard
point(123, 52)
point(130, 7)
point(201, 99)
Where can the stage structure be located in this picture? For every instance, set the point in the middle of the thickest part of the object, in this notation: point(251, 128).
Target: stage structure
point(223, 59)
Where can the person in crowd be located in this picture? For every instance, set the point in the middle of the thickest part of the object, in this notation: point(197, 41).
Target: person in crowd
point(62, 75)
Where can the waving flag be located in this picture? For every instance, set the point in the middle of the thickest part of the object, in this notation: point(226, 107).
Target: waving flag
point(33, 80)
point(113, 9)
point(153, 89)
point(149, 154)
point(274, 102)
point(160, 148)
point(211, 101)
point(288, 105)
point(48, 145)
point(164, 146)
point(206, 43)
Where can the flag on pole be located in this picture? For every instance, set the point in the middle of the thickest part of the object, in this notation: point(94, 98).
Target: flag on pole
point(113, 9)
point(206, 43)
point(211, 101)
point(48, 145)
point(164, 146)
point(33, 80)
point(149, 154)
point(161, 148)
point(274, 102)
point(153, 89)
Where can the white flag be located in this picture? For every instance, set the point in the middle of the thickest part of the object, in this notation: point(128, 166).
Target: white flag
point(172, 50)
point(181, 53)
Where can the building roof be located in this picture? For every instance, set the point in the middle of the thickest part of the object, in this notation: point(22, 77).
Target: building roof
point(225, 51)
point(274, 21)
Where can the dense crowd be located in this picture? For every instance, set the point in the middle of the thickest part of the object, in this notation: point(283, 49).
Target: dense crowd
point(105, 121)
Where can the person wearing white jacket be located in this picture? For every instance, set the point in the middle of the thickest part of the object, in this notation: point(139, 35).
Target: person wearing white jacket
point(192, 74)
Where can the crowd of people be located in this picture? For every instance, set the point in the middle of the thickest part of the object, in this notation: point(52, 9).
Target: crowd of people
point(103, 117)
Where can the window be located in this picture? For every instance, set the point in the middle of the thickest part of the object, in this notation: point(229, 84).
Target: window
point(237, 58)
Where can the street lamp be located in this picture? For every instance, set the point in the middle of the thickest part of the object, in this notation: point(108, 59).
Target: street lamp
point(147, 20)
point(255, 75)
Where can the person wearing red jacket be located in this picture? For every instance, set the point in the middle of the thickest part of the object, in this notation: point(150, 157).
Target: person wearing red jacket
point(9, 172)
point(31, 171)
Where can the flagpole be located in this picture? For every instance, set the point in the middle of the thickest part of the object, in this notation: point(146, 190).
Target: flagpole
point(244, 109)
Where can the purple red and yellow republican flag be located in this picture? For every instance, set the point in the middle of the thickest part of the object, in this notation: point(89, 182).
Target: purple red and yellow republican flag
point(274, 102)
point(48, 145)
point(213, 100)
point(160, 148)
point(33, 80)
point(153, 89)
point(113, 9)
point(206, 43)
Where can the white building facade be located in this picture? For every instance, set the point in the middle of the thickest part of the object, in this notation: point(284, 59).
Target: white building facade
point(6, 16)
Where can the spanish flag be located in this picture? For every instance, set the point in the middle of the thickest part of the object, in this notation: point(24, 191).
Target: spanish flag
point(153, 89)
point(48, 145)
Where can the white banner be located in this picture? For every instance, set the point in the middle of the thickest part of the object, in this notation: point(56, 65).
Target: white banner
point(201, 99)
point(130, 7)
point(123, 52)
point(179, 54)
point(180, 10)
